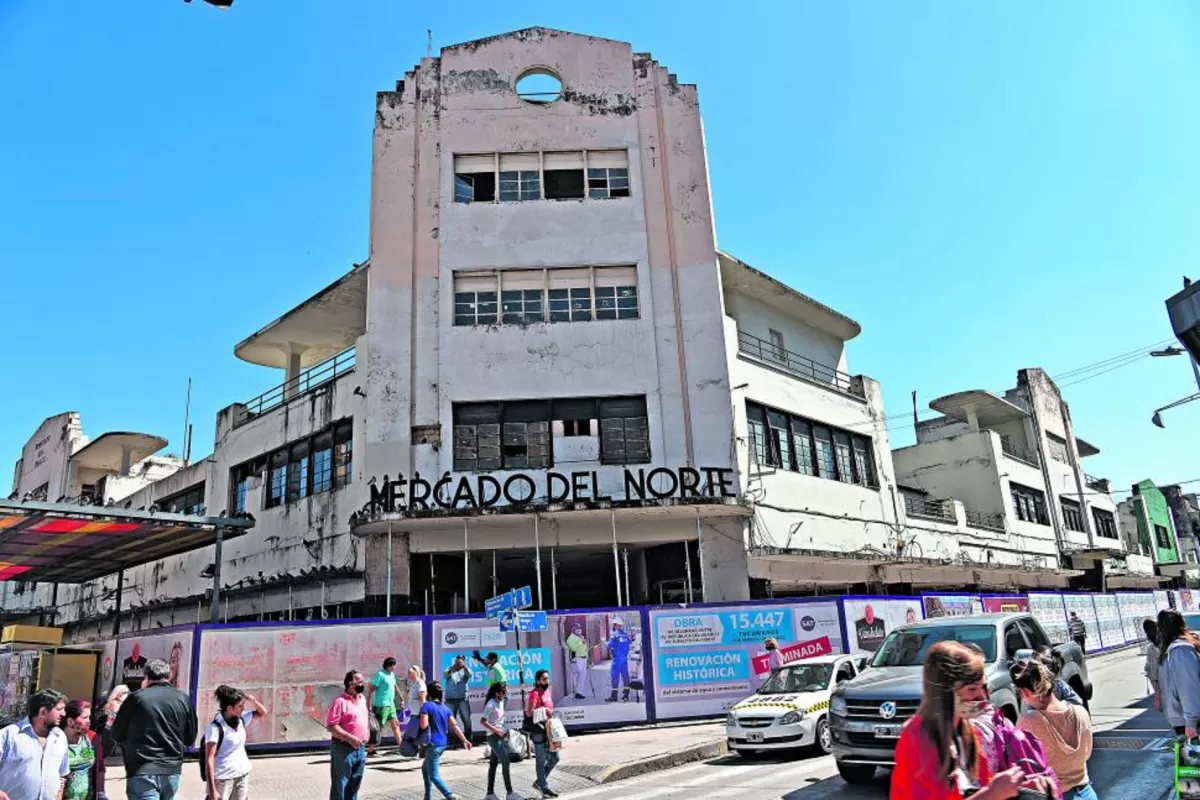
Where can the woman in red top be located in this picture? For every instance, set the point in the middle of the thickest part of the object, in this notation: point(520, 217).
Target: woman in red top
point(938, 756)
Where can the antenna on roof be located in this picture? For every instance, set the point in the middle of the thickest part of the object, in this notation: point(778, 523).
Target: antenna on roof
point(187, 425)
point(429, 43)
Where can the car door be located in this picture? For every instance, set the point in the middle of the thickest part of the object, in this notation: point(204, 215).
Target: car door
point(1034, 634)
point(1014, 640)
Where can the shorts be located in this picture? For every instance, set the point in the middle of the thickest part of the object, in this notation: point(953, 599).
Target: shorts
point(384, 714)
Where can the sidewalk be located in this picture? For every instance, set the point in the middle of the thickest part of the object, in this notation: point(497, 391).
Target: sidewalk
point(588, 760)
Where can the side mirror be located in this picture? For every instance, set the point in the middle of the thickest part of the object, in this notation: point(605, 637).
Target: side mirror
point(1024, 652)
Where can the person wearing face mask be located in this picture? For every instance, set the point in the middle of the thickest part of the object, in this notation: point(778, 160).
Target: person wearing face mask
point(544, 758)
point(349, 729)
point(1064, 730)
point(939, 751)
point(228, 773)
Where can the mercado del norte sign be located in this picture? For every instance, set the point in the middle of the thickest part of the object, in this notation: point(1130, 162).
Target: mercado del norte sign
point(464, 491)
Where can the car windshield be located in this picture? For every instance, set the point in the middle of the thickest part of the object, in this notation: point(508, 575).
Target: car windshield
point(907, 648)
point(800, 678)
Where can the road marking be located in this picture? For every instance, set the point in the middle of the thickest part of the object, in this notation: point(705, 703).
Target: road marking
point(671, 774)
point(788, 777)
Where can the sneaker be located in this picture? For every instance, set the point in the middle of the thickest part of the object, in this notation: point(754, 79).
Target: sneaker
point(548, 792)
point(514, 796)
point(491, 796)
point(578, 696)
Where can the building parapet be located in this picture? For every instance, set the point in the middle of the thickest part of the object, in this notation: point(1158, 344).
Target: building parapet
point(309, 380)
point(800, 366)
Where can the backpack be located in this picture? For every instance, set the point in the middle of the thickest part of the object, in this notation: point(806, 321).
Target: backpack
point(204, 749)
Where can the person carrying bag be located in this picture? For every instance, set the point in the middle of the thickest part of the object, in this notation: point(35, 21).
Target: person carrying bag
point(499, 753)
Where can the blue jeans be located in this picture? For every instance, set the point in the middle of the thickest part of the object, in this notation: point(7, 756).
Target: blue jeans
point(544, 760)
point(431, 771)
point(459, 707)
point(1085, 792)
point(152, 787)
point(346, 767)
point(499, 758)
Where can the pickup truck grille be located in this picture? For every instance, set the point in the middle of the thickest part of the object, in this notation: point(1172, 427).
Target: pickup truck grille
point(755, 722)
point(862, 709)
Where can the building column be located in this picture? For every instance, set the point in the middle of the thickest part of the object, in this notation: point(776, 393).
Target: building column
point(292, 353)
point(724, 570)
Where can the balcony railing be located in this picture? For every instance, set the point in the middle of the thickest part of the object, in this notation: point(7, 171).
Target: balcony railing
point(987, 522)
point(314, 377)
point(941, 510)
point(1020, 453)
point(1099, 484)
point(796, 364)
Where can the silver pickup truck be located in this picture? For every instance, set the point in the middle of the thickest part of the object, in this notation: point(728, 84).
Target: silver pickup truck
point(867, 713)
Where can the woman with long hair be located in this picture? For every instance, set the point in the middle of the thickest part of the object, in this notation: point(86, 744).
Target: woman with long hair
point(1150, 628)
point(81, 752)
point(938, 756)
point(1064, 730)
point(435, 717)
point(105, 746)
point(1179, 673)
point(497, 739)
point(545, 759)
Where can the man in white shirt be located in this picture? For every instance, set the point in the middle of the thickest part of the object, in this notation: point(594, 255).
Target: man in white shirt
point(33, 751)
point(228, 765)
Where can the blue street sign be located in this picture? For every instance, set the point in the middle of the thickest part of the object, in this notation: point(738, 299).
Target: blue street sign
point(495, 606)
point(530, 621)
point(524, 597)
point(508, 621)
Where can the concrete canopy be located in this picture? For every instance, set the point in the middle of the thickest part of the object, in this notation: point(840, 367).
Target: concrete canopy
point(988, 409)
point(740, 277)
point(1086, 449)
point(116, 450)
point(322, 326)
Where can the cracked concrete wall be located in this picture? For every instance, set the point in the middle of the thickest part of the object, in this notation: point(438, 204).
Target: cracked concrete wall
point(464, 102)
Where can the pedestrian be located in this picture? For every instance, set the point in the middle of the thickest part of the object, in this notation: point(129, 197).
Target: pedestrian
point(774, 657)
point(545, 759)
point(1064, 730)
point(154, 727)
point(418, 692)
point(435, 717)
point(381, 697)
point(228, 773)
point(81, 751)
point(939, 753)
point(1150, 628)
point(1179, 673)
point(1078, 631)
point(495, 672)
point(1055, 662)
point(349, 729)
point(577, 654)
point(619, 645)
point(105, 744)
point(457, 676)
point(33, 751)
point(497, 740)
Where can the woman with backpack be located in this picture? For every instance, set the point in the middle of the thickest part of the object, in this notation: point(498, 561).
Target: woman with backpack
point(225, 766)
point(1064, 730)
point(497, 740)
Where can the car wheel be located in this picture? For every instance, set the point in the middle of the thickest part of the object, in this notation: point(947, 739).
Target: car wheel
point(856, 773)
point(824, 739)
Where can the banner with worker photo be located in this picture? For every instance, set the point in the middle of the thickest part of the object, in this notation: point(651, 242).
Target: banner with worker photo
point(1135, 608)
point(951, 605)
point(870, 619)
point(296, 671)
point(1048, 609)
point(707, 659)
point(595, 661)
point(1108, 618)
point(135, 650)
point(1186, 601)
point(1082, 605)
point(1005, 604)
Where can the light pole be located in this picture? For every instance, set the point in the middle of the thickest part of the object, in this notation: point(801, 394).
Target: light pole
point(1156, 419)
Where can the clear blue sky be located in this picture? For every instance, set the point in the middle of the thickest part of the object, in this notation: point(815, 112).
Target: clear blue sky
point(984, 186)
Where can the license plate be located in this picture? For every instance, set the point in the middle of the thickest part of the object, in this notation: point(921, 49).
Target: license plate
point(754, 738)
point(887, 731)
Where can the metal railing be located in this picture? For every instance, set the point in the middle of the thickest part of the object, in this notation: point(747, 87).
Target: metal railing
point(942, 510)
point(987, 522)
point(1099, 484)
point(796, 364)
point(312, 378)
point(1018, 452)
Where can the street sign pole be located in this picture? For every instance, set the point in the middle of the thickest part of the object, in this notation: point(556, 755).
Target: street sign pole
point(520, 668)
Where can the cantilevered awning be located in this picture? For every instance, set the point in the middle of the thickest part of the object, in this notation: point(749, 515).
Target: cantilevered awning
point(987, 408)
point(61, 543)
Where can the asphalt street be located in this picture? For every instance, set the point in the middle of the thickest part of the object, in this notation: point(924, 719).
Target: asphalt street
point(1132, 757)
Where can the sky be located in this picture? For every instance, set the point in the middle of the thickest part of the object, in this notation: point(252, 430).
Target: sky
point(984, 186)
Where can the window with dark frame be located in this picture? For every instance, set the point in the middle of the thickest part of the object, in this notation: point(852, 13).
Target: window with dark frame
point(528, 297)
point(189, 501)
point(318, 463)
point(1106, 523)
point(554, 175)
point(562, 175)
point(785, 441)
point(606, 183)
point(1029, 504)
point(1163, 536)
point(1072, 515)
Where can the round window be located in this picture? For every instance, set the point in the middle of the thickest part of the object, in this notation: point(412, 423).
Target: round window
point(539, 86)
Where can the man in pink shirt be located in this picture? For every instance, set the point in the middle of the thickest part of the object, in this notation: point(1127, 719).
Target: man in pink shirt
point(349, 728)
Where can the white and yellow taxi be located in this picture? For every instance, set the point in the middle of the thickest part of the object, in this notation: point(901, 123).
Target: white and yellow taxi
point(792, 707)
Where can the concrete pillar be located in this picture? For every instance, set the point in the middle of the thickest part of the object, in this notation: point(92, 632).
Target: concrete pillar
point(125, 458)
point(972, 419)
point(292, 353)
point(723, 564)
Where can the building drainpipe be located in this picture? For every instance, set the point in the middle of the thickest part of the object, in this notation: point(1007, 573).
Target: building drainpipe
point(699, 555)
point(616, 555)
